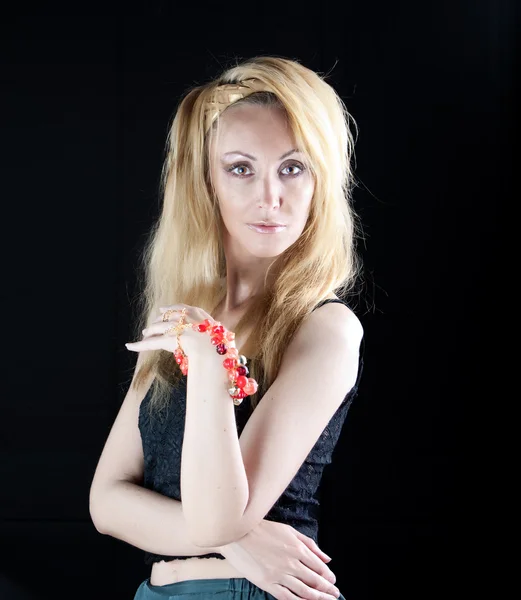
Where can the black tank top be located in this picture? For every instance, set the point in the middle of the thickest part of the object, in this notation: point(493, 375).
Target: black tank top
point(298, 506)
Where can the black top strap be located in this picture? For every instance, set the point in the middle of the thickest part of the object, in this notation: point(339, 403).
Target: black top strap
point(328, 300)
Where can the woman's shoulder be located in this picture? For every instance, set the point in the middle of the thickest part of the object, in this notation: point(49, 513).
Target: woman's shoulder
point(333, 311)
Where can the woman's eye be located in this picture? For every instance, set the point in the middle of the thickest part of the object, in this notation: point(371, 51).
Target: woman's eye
point(235, 170)
point(235, 167)
point(293, 167)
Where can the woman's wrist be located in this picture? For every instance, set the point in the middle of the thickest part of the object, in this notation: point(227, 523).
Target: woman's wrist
point(220, 352)
point(228, 550)
point(219, 549)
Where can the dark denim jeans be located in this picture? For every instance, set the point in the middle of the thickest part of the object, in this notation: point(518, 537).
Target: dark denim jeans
point(235, 588)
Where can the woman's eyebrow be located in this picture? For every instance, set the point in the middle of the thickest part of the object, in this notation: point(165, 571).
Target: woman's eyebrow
point(253, 157)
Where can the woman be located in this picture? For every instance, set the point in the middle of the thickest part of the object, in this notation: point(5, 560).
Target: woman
point(266, 143)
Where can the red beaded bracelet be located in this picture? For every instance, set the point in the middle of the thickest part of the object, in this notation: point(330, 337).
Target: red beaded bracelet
point(234, 363)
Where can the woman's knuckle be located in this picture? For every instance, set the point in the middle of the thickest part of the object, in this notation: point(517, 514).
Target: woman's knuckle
point(303, 591)
point(328, 575)
point(325, 591)
point(315, 594)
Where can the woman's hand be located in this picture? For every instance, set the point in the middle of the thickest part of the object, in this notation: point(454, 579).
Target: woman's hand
point(193, 342)
point(283, 562)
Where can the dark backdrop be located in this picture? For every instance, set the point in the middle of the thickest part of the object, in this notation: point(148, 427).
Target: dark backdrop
point(86, 101)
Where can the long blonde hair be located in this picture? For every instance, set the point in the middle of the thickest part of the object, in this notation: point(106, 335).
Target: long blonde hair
point(183, 259)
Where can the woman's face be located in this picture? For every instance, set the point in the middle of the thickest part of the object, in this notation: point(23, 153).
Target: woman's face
point(272, 184)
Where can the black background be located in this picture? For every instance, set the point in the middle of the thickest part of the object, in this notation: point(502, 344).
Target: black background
point(86, 101)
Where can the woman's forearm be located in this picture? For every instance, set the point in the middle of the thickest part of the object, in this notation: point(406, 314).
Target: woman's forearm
point(213, 477)
point(145, 519)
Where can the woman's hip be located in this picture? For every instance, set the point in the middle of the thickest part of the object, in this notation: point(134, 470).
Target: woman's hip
point(202, 589)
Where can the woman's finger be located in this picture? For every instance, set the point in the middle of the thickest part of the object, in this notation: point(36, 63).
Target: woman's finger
point(178, 307)
point(198, 313)
point(142, 345)
point(299, 590)
point(160, 328)
point(171, 317)
point(154, 337)
point(315, 573)
point(313, 546)
point(311, 575)
point(311, 560)
point(156, 342)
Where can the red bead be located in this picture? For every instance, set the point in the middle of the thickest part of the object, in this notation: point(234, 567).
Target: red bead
point(241, 381)
point(236, 372)
point(229, 363)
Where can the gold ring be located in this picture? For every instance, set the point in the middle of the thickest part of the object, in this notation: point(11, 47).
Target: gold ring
point(176, 329)
point(168, 313)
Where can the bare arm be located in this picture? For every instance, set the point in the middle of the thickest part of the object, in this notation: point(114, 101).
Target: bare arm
point(230, 483)
point(146, 519)
point(120, 506)
point(214, 485)
point(155, 523)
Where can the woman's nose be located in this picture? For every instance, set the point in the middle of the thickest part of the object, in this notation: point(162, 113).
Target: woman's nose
point(269, 192)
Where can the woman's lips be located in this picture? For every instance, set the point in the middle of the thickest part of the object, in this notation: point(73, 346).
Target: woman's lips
point(266, 228)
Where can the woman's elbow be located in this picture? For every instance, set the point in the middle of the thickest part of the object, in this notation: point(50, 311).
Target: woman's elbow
point(96, 505)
